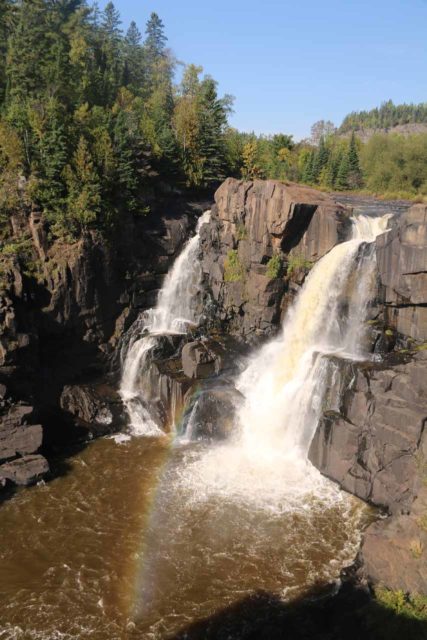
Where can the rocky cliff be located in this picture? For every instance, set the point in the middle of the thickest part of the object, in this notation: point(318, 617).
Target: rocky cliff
point(62, 311)
point(262, 239)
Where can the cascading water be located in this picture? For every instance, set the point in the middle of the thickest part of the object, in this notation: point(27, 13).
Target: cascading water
point(174, 313)
point(285, 383)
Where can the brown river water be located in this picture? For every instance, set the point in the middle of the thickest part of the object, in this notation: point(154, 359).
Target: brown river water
point(130, 543)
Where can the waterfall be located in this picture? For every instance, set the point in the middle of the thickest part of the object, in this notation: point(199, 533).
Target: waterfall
point(285, 383)
point(175, 311)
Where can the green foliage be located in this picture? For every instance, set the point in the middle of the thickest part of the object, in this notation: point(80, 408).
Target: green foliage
point(386, 116)
point(90, 119)
point(241, 232)
point(275, 267)
point(411, 606)
point(233, 268)
point(395, 163)
point(296, 262)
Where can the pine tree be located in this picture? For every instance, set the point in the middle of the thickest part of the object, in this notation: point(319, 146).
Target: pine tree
point(354, 172)
point(320, 160)
point(111, 58)
point(155, 42)
point(341, 182)
point(133, 72)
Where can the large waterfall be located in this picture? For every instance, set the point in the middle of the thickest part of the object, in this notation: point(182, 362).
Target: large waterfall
point(284, 384)
point(174, 313)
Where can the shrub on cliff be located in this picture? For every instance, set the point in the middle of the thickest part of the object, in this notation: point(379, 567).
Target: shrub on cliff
point(233, 268)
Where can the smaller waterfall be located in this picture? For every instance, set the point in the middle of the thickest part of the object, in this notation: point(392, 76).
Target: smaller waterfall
point(174, 313)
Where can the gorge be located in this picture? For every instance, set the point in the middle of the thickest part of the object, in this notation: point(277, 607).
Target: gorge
point(245, 381)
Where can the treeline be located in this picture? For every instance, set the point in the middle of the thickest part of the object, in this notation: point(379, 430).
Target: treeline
point(90, 117)
point(387, 164)
point(386, 116)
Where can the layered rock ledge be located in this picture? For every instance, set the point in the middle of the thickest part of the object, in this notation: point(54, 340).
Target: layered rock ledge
point(263, 237)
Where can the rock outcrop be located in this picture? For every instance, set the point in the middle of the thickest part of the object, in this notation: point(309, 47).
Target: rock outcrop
point(19, 438)
point(402, 265)
point(259, 233)
point(371, 435)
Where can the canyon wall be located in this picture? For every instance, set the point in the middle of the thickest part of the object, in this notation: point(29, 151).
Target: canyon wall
point(62, 322)
point(62, 314)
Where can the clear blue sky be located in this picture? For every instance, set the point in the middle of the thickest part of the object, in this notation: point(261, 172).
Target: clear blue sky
point(291, 62)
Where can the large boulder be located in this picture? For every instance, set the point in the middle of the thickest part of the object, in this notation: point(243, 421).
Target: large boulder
point(202, 358)
point(24, 471)
point(96, 407)
point(212, 413)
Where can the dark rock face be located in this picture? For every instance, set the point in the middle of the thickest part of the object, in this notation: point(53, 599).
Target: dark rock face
point(393, 550)
point(19, 438)
point(252, 223)
point(95, 407)
point(212, 415)
point(369, 441)
point(372, 441)
point(402, 265)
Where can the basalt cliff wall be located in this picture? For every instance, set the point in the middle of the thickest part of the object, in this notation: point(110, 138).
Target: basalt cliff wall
point(263, 239)
point(62, 312)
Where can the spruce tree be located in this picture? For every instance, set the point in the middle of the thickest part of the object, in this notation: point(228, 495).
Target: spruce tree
point(50, 160)
point(320, 160)
point(155, 42)
point(27, 50)
point(133, 72)
point(342, 178)
point(211, 133)
point(111, 58)
point(308, 175)
point(354, 172)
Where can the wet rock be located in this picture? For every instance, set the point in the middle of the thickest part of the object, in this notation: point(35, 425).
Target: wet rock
point(24, 471)
point(165, 385)
point(212, 415)
point(98, 407)
point(201, 359)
